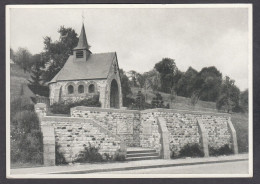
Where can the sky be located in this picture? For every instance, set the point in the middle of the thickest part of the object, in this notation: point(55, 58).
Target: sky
point(196, 37)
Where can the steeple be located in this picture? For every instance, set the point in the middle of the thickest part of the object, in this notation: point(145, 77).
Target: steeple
point(83, 42)
point(82, 52)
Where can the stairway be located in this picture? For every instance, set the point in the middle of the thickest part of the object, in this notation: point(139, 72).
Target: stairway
point(138, 153)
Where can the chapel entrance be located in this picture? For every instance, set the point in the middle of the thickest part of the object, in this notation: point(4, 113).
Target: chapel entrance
point(114, 95)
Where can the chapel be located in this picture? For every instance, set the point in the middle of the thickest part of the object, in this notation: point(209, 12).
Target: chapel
point(86, 74)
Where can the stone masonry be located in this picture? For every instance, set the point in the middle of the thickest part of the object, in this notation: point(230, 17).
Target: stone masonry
point(165, 130)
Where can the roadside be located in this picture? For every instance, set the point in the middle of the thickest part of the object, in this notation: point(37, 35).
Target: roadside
point(127, 165)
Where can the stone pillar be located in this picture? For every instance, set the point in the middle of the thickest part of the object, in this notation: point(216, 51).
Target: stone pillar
point(165, 138)
point(48, 136)
point(48, 145)
point(204, 137)
point(40, 109)
point(233, 136)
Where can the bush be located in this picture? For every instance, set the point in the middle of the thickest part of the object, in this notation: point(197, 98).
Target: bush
point(64, 107)
point(59, 158)
point(224, 150)
point(27, 147)
point(21, 104)
point(119, 156)
point(26, 121)
point(26, 137)
point(191, 150)
point(90, 154)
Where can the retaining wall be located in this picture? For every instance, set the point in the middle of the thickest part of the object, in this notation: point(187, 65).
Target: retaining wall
point(153, 128)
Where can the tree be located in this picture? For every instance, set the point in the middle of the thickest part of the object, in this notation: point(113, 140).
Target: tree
point(184, 86)
point(22, 58)
point(152, 80)
point(208, 83)
point(36, 84)
point(194, 98)
point(172, 96)
point(125, 84)
point(140, 100)
point(244, 100)
point(56, 53)
point(133, 76)
point(167, 69)
point(229, 96)
point(12, 54)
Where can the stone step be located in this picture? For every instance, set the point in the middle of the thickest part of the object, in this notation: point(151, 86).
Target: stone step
point(142, 158)
point(142, 154)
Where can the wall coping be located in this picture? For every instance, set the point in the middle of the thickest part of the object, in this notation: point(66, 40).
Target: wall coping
point(149, 110)
point(60, 118)
point(103, 109)
point(185, 111)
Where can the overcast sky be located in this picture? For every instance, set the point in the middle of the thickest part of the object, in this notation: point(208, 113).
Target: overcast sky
point(141, 37)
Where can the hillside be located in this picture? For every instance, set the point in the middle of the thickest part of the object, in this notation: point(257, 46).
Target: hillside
point(180, 102)
point(18, 82)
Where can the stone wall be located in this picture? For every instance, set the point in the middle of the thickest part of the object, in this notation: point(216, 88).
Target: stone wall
point(140, 128)
point(183, 127)
point(73, 134)
point(123, 123)
point(59, 90)
point(161, 129)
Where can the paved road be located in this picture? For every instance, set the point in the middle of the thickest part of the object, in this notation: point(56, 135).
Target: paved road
point(238, 167)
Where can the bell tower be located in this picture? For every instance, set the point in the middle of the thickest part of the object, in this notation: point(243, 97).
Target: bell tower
point(82, 52)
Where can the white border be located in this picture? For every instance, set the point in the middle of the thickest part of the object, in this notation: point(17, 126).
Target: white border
point(81, 6)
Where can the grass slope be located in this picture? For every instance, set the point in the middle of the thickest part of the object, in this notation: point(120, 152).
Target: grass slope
point(17, 78)
point(179, 103)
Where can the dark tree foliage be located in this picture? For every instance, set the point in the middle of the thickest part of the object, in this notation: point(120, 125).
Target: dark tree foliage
point(56, 53)
point(125, 85)
point(36, 84)
point(208, 83)
point(244, 100)
point(185, 84)
point(229, 96)
point(140, 100)
point(167, 69)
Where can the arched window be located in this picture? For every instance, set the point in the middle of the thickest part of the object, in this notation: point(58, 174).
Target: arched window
point(81, 89)
point(91, 88)
point(70, 89)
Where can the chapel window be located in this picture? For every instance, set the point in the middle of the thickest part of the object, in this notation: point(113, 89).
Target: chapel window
point(91, 88)
point(70, 89)
point(81, 89)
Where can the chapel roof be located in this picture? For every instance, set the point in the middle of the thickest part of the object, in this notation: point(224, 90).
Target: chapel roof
point(97, 66)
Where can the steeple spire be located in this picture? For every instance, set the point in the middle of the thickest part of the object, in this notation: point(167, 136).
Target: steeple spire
point(83, 42)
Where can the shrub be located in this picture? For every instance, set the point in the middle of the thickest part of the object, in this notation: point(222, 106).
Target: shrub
point(90, 154)
point(59, 158)
point(20, 104)
point(26, 121)
point(27, 147)
point(157, 101)
point(119, 156)
point(26, 137)
point(64, 107)
point(191, 150)
point(224, 150)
